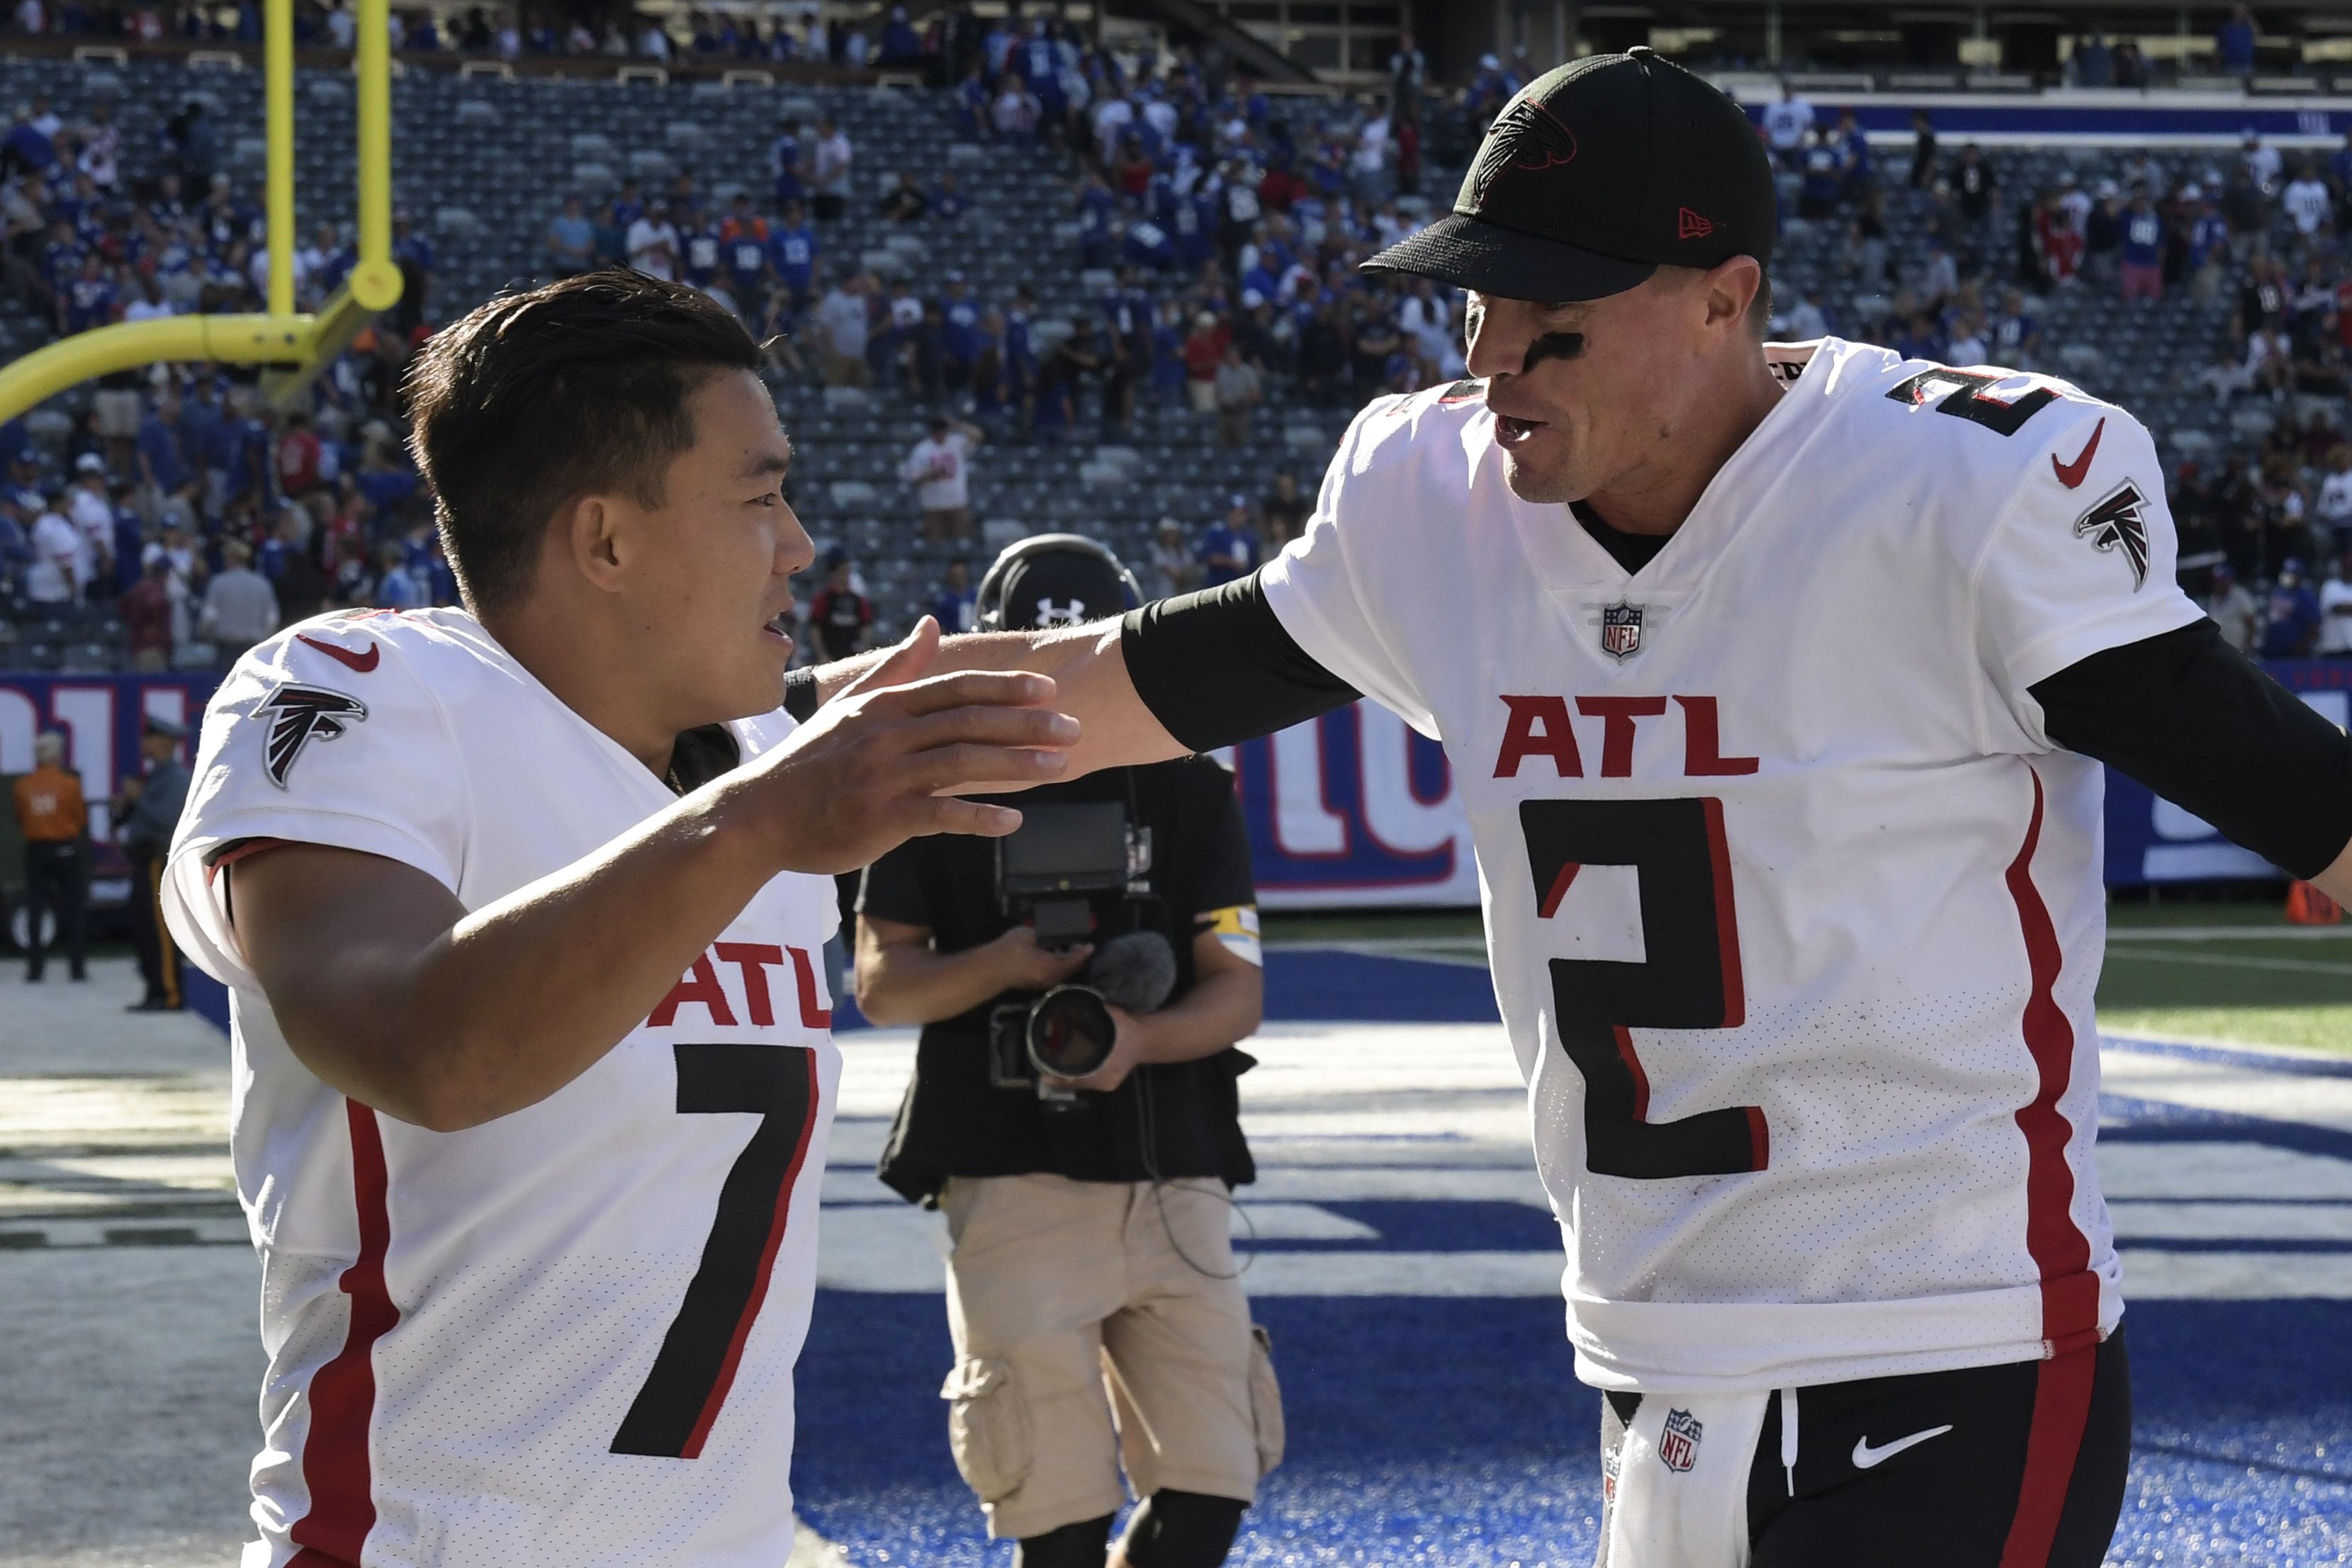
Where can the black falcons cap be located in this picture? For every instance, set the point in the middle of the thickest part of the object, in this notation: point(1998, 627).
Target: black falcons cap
point(1594, 177)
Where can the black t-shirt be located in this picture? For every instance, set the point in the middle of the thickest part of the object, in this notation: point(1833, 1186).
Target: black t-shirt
point(837, 615)
point(954, 1122)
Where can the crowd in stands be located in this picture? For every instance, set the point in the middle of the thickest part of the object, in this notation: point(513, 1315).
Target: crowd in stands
point(2265, 519)
point(1222, 236)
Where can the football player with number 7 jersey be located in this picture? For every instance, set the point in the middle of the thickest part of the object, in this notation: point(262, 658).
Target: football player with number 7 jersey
point(521, 909)
point(1776, 679)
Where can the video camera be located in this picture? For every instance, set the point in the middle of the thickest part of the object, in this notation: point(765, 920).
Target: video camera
point(1049, 872)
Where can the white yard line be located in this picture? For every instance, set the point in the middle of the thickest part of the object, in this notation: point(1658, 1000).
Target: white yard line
point(2230, 933)
point(2224, 961)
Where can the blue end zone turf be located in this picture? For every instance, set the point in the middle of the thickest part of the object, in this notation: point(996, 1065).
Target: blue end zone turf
point(1454, 1433)
point(1451, 1433)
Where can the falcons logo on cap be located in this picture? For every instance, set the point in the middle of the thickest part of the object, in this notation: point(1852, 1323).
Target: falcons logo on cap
point(296, 714)
point(2114, 523)
point(1525, 136)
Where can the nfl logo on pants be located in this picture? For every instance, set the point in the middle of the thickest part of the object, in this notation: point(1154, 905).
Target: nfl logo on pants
point(1678, 1443)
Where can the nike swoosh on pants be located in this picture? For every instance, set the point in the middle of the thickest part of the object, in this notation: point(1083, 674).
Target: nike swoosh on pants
point(1864, 1456)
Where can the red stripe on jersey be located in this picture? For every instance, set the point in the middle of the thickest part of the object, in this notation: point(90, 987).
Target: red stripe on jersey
point(1726, 921)
point(343, 1393)
point(2053, 1441)
point(726, 1378)
point(1633, 1065)
point(1559, 885)
point(2070, 1291)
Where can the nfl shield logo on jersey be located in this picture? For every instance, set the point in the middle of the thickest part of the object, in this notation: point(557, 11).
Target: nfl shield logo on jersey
point(1678, 1443)
point(1621, 630)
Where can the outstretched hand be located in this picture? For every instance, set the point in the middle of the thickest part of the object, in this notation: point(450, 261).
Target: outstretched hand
point(888, 758)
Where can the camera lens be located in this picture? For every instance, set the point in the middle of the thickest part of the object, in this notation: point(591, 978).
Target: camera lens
point(1070, 1032)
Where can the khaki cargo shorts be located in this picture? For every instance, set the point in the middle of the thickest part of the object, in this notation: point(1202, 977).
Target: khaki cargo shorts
point(1084, 1341)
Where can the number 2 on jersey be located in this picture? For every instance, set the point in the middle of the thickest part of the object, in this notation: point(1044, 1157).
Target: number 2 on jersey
point(1689, 978)
point(672, 1414)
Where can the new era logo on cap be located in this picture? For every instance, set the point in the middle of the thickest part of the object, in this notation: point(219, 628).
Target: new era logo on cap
point(1688, 224)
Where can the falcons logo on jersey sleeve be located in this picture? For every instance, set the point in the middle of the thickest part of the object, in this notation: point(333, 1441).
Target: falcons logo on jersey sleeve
point(2114, 522)
point(297, 713)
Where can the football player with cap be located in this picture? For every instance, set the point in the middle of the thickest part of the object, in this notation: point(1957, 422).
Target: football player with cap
point(1802, 662)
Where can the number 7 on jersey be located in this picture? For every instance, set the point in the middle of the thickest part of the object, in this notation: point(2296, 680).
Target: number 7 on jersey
point(1689, 978)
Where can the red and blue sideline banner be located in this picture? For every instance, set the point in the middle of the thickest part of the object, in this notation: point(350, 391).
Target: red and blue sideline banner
point(1351, 811)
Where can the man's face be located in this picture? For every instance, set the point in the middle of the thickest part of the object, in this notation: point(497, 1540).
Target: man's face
point(1589, 395)
point(707, 574)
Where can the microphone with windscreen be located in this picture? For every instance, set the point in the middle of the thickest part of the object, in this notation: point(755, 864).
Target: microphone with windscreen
point(1071, 1030)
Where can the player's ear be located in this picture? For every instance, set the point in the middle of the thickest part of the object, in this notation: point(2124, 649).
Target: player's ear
point(586, 537)
point(1731, 287)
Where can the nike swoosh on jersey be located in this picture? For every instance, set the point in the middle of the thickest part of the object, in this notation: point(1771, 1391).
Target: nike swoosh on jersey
point(2072, 475)
point(1865, 1456)
point(363, 662)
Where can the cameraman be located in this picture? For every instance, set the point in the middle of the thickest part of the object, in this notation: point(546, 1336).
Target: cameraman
point(1092, 1277)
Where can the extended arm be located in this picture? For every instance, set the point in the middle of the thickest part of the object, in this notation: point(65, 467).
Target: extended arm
point(1183, 675)
point(389, 989)
point(2195, 721)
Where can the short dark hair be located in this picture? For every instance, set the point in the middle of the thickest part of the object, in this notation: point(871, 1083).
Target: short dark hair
point(540, 396)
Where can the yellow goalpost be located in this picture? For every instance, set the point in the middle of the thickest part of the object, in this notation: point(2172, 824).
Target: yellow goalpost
point(302, 344)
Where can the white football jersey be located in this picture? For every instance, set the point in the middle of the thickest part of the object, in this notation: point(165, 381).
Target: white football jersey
point(1795, 911)
point(566, 1335)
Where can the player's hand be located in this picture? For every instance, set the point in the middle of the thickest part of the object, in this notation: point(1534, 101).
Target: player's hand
point(1125, 1056)
point(884, 761)
point(1021, 964)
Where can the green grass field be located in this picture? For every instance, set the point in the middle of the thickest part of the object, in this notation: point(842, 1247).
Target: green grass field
point(2227, 972)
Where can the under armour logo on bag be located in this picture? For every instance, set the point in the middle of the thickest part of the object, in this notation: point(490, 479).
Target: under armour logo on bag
point(1074, 614)
point(299, 712)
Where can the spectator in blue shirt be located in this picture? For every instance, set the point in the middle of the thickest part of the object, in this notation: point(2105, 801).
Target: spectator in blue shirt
point(1019, 357)
point(2016, 337)
point(1854, 157)
point(2142, 252)
point(2234, 42)
point(88, 300)
point(947, 200)
point(1228, 549)
point(959, 335)
point(972, 103)
point(2291, 620)
point(953, 608)
point(901, 45)
point(792, 251)
point(162, 468)
point(1817, 197)
point(571, 240)
point(698, 258)
point(784, 166)
point(1095, 208)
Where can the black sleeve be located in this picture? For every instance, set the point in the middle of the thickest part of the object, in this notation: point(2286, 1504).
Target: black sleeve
point(1216, 666)
point(2188, 715)
point(801, 693)
point(896, 887)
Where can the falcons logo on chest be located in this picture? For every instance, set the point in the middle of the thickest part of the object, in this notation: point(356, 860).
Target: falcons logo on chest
point(299, 712)
point(2116, 522)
